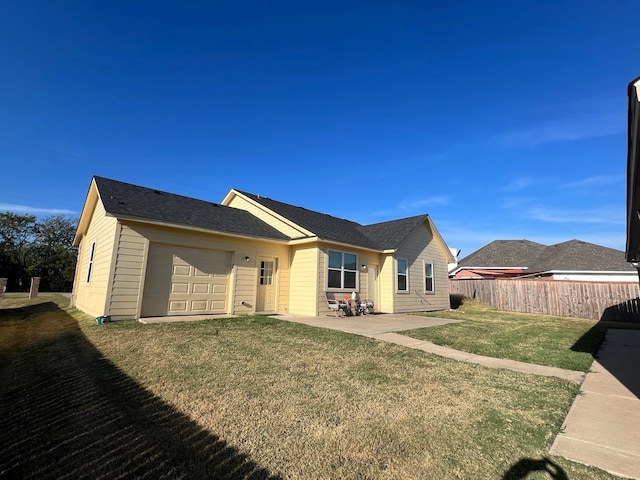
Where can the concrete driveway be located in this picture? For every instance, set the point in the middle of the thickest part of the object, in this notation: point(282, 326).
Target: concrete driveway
point(369, 325)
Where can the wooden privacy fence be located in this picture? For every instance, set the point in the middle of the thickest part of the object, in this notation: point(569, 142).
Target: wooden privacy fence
point(593, 300)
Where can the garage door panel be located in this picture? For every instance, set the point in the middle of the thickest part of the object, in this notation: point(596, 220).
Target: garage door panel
point(183, 280)
point(179, 287)
point(217, 305)
point(199, 306)
point(182, 270)
point(177, 306)
point(201, 288)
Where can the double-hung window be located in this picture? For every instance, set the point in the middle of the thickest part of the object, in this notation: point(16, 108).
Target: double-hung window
point(92, 251)
point(428, 277)
point(403, 274)
point(342, 270)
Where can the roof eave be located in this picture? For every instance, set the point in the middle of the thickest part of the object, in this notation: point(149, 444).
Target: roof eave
point(132, 218)
point(87, 210)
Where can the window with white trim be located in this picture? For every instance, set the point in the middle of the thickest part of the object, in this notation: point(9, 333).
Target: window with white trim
point(428, 277)
point(342, 270)
point(90, 264)
point(403, 274)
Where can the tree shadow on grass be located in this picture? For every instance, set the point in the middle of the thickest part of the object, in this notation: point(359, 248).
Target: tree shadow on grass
point(67, 412)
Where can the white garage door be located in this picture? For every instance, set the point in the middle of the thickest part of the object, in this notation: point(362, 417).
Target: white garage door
point(185, 281)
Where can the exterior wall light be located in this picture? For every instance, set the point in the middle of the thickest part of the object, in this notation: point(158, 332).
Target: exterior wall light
point(246, 259)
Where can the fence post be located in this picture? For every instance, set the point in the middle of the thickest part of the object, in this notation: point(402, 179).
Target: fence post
point(35, 285)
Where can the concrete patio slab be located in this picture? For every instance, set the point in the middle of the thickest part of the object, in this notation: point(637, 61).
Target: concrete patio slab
point(602, 428)
point(369, 325)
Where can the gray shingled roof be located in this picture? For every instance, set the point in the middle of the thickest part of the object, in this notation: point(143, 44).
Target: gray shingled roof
point(380, 236)
point(131, 201)
point(574, 255)
point(504, 254)
point(388, 235)
point(578, 255)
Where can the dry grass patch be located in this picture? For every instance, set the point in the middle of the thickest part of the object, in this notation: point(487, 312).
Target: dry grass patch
point(304, 402)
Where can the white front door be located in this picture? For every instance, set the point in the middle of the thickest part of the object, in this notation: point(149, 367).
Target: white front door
point(266, 297)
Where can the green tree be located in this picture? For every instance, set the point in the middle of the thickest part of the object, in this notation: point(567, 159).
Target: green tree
point(54, 258)
point(31, 248)
point(16, 248)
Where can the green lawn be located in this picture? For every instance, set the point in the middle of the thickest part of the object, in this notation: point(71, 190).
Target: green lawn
point(563, 342)
point(255, 397)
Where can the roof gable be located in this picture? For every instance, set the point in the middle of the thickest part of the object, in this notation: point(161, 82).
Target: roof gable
point(128, 201)
point(322, 225)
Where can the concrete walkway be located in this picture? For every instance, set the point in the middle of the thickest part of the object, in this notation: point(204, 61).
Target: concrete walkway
point(425, 346)
point(602, 428)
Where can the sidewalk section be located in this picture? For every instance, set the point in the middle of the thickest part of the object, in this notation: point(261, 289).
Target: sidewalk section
point(602, 428)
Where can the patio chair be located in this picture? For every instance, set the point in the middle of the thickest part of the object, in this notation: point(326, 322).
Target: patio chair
point(339, 307)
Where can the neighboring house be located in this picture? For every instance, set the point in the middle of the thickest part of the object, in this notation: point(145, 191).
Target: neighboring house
point(498, 259)
point(573, 260)
point(632, 252)
point(146, 253)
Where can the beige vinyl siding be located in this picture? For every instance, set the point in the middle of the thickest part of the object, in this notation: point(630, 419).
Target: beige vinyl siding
point(91, 297)
point(243, 278)
point(264, 214)
point(128, 274)
point(304, 280)
point(421, 247)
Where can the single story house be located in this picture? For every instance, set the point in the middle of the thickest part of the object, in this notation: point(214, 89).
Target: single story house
point(148, 253)
point(574, 260)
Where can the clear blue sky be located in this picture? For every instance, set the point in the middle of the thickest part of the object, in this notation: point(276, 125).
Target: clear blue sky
point(501, 119)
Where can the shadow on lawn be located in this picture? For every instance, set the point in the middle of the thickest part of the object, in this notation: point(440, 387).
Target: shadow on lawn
point(621, 357)
point(66, 411)
point(521, 469)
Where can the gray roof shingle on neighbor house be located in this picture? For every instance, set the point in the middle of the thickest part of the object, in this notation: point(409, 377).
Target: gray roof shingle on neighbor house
point(134, 202)
point(504, 254)
point(577, 255)
point(573, 255)
point(380, 236)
